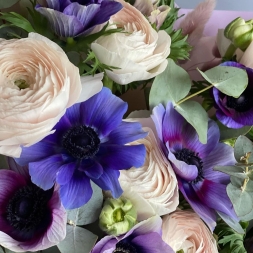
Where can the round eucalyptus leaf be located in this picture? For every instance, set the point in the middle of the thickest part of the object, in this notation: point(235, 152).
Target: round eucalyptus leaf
point(77, 240)
point(242, 146)
point(172, 84)
point(7, 3)
point(232, 170)
point(89, 212)
point(194, 113)
point(229, 80)
point(242, 200)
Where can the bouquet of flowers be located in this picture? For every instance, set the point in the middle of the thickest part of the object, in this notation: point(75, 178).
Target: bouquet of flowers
point(80, 172)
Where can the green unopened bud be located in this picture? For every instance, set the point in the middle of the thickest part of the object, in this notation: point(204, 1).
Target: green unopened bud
point(117, 217)
point(240, 32)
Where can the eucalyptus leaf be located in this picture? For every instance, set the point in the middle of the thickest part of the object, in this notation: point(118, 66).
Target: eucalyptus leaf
point(229, 80)
point(53, 249)
point(172, 84)
point(7, 3)
point(242, 200)
point(77, 240)
point(74, 57)
point(232, 170)
point(229, 133)
point(242, 146)
point(232, 223)
point(1, 250)
point(248, 216)
point(194, 113)
point(89, 212)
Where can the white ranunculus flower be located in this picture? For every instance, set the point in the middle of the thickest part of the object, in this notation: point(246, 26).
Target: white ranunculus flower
point(37, 84)
point(155, 181)
point(139, 51)
point(184, 230)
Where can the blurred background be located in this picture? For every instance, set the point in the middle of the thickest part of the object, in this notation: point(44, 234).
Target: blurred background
point(238, 5)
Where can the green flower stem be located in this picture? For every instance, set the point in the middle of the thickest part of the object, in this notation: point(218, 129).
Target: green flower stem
point(194, 94)
point(230, 52)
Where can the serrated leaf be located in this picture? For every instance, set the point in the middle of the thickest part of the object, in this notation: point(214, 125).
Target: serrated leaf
point(7, 3)
point(194, 113)
point(242, 146)
point(232, 170)
point(229, 80)
point(172, 84)
point(77, 240)
point(242, 201)
point(89, 212)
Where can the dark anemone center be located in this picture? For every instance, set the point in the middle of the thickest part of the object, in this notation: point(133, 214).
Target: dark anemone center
point(124, 247)
point(240, 104)
point(191, 158)
point(27, 211)
point(81, 142)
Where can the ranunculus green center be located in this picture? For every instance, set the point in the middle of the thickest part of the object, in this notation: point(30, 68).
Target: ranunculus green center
point(22, 84)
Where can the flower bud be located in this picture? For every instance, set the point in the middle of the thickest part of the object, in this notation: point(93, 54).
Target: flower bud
point(240, 32)
point(118, 216)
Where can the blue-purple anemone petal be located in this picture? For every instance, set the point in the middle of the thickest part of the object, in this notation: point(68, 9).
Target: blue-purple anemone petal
point(90, 142)
point(71, 19)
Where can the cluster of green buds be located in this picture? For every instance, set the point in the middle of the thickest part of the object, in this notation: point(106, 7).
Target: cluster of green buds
point(118, 216)
point(240, 33)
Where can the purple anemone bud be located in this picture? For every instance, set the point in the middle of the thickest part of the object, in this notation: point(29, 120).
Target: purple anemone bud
point(88, 144)
point(193, 163)
point(72, 18)
point(31, 219)
point(235, 112)
point(145, 237)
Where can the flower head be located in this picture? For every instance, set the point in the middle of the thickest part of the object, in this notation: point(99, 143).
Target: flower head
point(88, 143)
point(235, 112)
point(71, 18)
point(38, 83)
point(31, 219)
point(184, 230)
point(193, 163)
point(139, 52)
point(145, 237)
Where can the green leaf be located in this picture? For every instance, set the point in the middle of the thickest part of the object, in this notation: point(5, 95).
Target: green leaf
point(89, 212)
point(172, 84)
point(77, 240)
point(229, 133)
point(232, 170)
point(242, 200)
point(229, 80)
point(232, 223)
point(242, 146)
point(53, 249)
point(194, 113)
point(7, 3)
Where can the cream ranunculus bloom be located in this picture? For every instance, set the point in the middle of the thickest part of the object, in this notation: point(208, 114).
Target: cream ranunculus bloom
point(37, 84)
point(155, 181)
point(184, 230)
point(139, 51)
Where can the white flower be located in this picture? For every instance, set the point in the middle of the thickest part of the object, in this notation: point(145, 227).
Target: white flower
point(37, 84)
point(139, 51)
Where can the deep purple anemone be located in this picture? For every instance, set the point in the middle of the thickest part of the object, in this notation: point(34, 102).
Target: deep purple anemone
point(71, 18)
point(193, 163)
point(88, 144)
point(145, 237)
point(235, 112)
point(31, 219)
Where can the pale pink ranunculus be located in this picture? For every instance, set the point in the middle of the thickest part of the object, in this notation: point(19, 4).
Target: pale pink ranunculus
point(184, 230)
point(37, 84)
point(138, 51)
point(155, 181)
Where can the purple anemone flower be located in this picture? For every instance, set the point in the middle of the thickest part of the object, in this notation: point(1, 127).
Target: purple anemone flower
point(88, 144)
point(193, 163)
point(145, 237)
point(235, 112)
point(31, 219)
point(72, 18)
